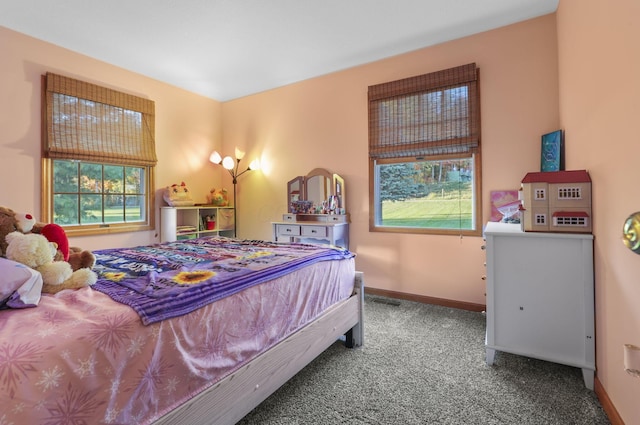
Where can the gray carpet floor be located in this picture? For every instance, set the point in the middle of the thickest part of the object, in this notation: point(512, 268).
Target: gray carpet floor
point(425, 364)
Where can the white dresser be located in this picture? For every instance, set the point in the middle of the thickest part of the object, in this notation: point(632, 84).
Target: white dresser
point(332, 229)
point(540, 296)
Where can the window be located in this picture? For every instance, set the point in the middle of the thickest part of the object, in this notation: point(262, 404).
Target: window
point(569, 193)
point(424, 154)
point(570, 221)
point(540, 194)
point(99, 158)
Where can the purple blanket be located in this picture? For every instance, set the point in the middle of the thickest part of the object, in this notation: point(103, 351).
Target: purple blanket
point(171, 279)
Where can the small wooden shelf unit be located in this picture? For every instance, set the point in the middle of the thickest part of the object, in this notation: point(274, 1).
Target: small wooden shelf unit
point(177, 223)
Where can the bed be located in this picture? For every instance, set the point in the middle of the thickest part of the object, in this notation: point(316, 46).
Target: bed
point(187, 332)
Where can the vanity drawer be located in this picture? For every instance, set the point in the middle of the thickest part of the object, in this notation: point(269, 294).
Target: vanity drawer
point(338, 218)
point(288, 230)
point(314, 231)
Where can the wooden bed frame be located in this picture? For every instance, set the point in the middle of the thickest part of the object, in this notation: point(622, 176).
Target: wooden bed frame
point(233, 397)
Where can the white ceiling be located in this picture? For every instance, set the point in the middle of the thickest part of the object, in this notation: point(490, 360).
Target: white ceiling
point(225, 49)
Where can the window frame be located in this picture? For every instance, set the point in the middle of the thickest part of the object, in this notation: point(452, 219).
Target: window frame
point(98, 228)
point(146, 159)
point(374, 198)
point(401, 151)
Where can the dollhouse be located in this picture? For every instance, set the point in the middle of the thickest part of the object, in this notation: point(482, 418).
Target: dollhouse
point(556, 201)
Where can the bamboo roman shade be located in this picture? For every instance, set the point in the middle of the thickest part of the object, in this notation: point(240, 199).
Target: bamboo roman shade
point(93, 123)
point(431, 114)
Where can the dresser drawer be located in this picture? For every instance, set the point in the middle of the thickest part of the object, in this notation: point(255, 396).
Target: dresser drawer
point(314, 231)
point(287, 230)
point(338, 218)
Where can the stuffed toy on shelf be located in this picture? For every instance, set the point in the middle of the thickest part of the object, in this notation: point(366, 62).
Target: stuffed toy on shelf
point(218, 197)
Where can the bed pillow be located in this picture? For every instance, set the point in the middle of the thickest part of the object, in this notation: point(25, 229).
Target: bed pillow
point(20, 286)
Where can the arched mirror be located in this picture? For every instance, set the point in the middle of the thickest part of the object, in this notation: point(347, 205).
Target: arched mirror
point(318, 186)
point(319, 192)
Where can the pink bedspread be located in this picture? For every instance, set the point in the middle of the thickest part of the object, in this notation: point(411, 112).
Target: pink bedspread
point(81, 358)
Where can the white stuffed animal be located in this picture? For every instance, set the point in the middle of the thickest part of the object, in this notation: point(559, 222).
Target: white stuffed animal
point(35, 251)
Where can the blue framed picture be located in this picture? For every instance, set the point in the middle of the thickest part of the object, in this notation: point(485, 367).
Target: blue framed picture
point(551, 157)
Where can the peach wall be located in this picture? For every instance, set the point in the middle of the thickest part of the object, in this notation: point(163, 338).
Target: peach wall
point(187, 126)
point(599, 71)
point(322, 122)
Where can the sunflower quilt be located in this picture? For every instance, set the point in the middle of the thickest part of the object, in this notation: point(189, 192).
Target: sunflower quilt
point(172, 279)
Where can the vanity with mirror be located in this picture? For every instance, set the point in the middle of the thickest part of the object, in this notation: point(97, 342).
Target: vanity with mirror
point(316, 210)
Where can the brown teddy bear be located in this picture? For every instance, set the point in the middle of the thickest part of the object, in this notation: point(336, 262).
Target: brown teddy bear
point(11, 221)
